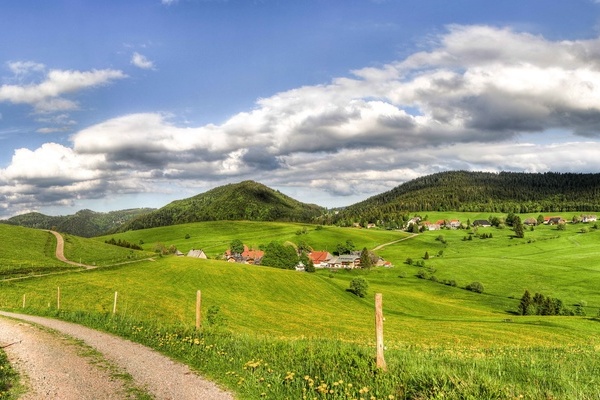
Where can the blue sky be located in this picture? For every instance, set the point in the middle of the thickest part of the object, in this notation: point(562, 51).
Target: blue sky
point(119, 104)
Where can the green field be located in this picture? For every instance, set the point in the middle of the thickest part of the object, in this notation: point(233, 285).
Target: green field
point(434, 333)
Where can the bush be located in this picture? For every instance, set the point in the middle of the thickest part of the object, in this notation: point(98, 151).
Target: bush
point(476, 287)
point(359, 287)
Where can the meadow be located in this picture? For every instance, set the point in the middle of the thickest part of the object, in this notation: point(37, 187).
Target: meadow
point(270, 333)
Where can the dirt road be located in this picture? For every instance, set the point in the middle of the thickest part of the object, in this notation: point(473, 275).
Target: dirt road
point(78, 363)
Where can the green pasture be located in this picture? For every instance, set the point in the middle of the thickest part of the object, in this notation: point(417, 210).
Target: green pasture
point(270, 333)
point(214, 237)
point(27, 251)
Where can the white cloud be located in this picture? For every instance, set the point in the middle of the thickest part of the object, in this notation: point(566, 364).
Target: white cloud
point(480, 98)
point(21, 68)
point(46, 96)
point(141, 61)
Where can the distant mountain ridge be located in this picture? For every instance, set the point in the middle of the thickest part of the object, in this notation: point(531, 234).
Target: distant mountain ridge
point(247, 200)
point(463, 191)
point(483, 192)
point(84, 223)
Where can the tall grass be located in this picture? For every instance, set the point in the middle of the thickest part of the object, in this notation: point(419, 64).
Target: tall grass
point(257, 367)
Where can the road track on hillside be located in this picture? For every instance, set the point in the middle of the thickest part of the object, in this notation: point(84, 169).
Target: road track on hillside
point(56, 361)
point(381, 246)
point(60, 252)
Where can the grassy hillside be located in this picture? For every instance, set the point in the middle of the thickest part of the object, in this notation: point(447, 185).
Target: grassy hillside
point(215, 237)
point(26, 251)
point(285, 334)
point(286, 303)
point(248, 200)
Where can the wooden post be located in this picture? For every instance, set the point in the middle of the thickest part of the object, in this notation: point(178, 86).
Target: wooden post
point(58, 298)
point(23, 301)
point(379, 331)
point(198, 309)
point(115, 303)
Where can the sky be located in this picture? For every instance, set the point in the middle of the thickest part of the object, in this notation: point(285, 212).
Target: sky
point(123, 104)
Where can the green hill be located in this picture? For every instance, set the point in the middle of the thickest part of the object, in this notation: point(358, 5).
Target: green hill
point(248, 200)
point(84, 223)
point(482, 192)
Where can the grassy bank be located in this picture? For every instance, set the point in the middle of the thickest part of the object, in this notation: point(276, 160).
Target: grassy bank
point(8, 378)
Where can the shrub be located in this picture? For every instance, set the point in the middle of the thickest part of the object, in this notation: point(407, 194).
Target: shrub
point(476, 287)
point(214, 316)
point(359, 287)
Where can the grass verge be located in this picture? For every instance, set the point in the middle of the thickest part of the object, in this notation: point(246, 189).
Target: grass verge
point(258, 367)
point(8, 378)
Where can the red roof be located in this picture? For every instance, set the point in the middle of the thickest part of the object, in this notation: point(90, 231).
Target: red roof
point(249, 253)
point(319, 256)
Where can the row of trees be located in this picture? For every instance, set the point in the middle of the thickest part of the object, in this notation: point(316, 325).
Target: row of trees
point(545, 305)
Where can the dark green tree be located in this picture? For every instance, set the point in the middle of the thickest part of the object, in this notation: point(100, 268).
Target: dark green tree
point(359, 287)
point(280, 256)
point(540, 219)
point(525, 303)
point(518, 227)
point(365, 259)
point(236, 246)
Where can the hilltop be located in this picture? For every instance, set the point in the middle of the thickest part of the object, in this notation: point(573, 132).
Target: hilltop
point(84, 223)
point(247, 200)
point(488, 192)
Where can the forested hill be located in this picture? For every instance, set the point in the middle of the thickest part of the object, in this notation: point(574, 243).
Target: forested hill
point(484, 192)
point(85, 223)
point(247, 200)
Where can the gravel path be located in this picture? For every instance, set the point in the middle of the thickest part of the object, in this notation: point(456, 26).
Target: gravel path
point(55, 367)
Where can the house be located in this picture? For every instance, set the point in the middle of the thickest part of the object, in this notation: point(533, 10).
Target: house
point(484, 223)
point(349, 261)
point(556, 221)
point(530, 221)
point(371, 225)
point(197, 254)
point(454, 224)
point(588, 218)
point(248, 256)
point(430, 226)
point(320, 258)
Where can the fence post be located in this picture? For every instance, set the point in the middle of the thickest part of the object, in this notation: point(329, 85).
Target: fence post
point(58, 298)
point(115, 304)
point(24, 301)
point(198, 309)
point(379, 331)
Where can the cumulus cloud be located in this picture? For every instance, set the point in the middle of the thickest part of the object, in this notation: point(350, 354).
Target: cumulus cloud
point(480, 98)
point(141, 61)
point(47, 96)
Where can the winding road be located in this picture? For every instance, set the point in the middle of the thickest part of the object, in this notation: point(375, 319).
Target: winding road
point(65, 361)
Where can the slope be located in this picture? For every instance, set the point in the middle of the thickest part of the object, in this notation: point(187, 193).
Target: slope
point(247, 200)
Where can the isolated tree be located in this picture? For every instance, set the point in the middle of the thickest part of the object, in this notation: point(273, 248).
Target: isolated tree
point(236, 246)
point(359, 287)
point(365, 259)
point(540, 219)
point(476, 287)
point(518, 227)
point(426, 256)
